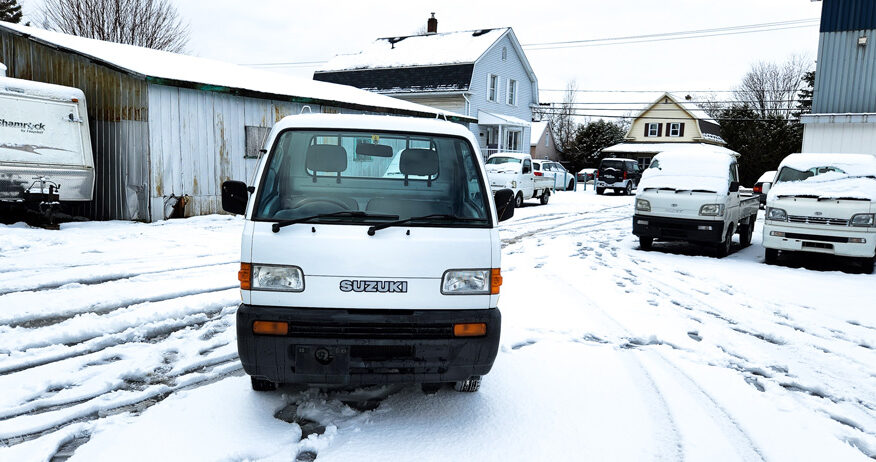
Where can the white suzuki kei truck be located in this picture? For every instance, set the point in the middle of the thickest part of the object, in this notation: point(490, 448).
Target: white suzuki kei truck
point(370, 254)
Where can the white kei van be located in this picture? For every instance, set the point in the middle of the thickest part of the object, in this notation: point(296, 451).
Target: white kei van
point(370, 254)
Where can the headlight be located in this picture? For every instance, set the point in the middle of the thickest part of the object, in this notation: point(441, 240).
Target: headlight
point(775, 214)
point(863, 219)
point(466, 282)
point(712, 210)
point(279, 278)
point(642, 205)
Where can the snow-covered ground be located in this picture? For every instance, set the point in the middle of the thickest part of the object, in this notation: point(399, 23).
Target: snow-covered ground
point(117, 343)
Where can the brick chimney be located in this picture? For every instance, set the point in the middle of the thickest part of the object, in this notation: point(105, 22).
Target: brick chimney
point(432, 25)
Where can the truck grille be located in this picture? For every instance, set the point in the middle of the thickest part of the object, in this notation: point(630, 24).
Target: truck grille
point(818, 220)
point(370, 330)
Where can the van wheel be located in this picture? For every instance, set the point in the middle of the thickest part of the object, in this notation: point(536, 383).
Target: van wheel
point(600, 191)
point(262, 384)
point(725, 246)
point(518, 200)
point(770, 256)
point(469, 385)
point(645, 243)
point(545, 196)
point(629, 189)
point(571, 185)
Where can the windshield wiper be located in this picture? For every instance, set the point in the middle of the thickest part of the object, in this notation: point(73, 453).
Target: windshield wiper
point(347, 213)
point(443, 216)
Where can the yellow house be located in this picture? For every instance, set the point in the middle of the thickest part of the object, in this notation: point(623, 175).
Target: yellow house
point(667, 123)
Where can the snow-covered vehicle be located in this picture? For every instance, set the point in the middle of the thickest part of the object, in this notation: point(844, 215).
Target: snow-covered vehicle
point(823, 203)
point(45, 147)
point(370, 254)
point(563, 180)
point(621, 175)
point(694, 197)
point(763, 184)
point(514, 171)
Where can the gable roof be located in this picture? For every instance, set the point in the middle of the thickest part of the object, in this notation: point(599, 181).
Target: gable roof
point(538, 129)
point(453, 77)
point(419, 50)
point(173, 69)
point(690, 107)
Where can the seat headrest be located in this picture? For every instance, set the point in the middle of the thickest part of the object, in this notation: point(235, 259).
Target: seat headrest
point(326, 158)
point(418, 162)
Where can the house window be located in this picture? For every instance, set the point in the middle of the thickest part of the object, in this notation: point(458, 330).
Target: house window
point(513, 141)
point(512, 92)
point(547, 139)
point(652, 130)
point(492, 87)
point(504, 53)
point(676, 129)
point(644, 162)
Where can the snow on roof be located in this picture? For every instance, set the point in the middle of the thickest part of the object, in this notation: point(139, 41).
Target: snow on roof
point(419, 50)
point(536, 131)
point(691, 107)
point(654, 148)
point(10, 86)
point(687, 169)
point(181, 68)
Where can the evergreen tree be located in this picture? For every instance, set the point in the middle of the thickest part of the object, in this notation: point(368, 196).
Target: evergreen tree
point(10, 11)
point(590, 140)
point(804, 96)
point(761, 140)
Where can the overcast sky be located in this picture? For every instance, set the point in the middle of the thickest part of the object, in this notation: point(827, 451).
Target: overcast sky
point(265, 31)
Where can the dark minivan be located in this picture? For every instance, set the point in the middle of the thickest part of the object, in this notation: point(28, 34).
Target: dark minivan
point(622, 175)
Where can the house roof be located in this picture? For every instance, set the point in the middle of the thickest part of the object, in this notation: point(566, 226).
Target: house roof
point(536, 132)
point(164, 68)
point(655, 148)
point(445, 78)
point(419, 50)
point(690, 107)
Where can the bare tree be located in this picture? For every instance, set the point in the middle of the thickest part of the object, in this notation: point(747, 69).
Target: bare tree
point(772, 89)
point(562, 118)
point(146, 23)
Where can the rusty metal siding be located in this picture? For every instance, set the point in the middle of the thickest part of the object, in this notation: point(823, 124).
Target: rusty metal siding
point(117, 114)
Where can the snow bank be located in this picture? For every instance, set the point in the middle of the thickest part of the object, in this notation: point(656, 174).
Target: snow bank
point(830, 185)
point(688, 170)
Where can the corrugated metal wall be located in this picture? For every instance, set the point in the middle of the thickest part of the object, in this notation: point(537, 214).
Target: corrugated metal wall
point(117, 116)
point(845, 15)
point(845, 79)
point(197, 141)
point(851, 138)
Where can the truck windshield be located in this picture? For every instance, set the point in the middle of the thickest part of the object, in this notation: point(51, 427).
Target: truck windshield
point(389, 176)
point(792, 174)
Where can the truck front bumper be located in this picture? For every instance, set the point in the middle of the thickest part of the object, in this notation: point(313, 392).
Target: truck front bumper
point(366, 347)
point(679, 229)
point(843, 241)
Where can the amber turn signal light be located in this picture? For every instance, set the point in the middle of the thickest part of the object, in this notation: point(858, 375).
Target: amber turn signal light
point(245, 276)
point(270, 328)
point(495, 280)
point(473, 329)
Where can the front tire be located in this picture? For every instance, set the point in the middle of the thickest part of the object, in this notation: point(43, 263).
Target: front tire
point(600, 191)
point(262, 384)
point(725, 246)
point(545, 196)
point(645, 243)
point(469, 385)
point(770, 256)
point(571, 185)
point(518, 200)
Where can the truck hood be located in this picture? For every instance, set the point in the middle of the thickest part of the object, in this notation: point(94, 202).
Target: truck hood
point(818, 209)
point(681, 203)
point(827, 186)
point(329, 254)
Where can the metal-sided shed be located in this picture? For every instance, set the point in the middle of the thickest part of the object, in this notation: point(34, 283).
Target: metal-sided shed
point(165, 125)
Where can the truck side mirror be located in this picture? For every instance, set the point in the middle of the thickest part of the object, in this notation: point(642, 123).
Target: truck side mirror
point(504, 199)
point(234, 197)
point(526, 169)
point(734, 186)
point(765, 188)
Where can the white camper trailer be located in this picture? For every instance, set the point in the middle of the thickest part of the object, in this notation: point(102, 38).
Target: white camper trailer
point(45, 148)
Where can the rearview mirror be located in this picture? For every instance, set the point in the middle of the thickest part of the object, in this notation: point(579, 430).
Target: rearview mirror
point(734, 186)
point(234, 197)
point(504, 199)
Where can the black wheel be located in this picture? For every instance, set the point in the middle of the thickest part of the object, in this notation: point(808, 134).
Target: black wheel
point(600, 191)
point(629, 189)
point(724, 246)
point(545, 196)
point(469, 385)
point(645, 243)
point(867, 264)
point(770, 256)
point(262, 384)
point(431, 388)
point(746, 232)
point(518, 200)
point(571, 185)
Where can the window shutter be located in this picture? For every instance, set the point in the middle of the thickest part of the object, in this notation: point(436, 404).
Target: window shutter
point(681, 130)
point(659, 129)
point(647, 126)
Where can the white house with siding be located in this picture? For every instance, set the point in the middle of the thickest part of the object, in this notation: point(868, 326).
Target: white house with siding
point(483, 74)
point(165, 125)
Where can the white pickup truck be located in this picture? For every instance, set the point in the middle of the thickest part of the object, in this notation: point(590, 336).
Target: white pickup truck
point(823, 203)
point(370, 254)
point(511, 170)
point(693, 196)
